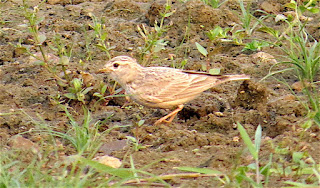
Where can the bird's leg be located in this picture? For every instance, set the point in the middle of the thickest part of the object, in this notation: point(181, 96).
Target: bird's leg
point(128, 100)
point(171, 116)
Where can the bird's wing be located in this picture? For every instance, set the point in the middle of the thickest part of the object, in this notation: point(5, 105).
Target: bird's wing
point(166, 85)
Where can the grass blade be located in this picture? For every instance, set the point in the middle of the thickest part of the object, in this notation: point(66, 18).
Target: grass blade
point(247, 141)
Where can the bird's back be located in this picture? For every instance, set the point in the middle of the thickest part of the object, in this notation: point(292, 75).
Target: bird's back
point(163, 87)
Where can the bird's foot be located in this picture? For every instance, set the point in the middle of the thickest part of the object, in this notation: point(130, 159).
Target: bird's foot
point(170, 116)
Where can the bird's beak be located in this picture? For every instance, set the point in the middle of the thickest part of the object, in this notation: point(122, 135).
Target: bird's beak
point(104, 70)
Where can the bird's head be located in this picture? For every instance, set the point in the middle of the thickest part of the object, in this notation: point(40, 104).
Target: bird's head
point(123, 69)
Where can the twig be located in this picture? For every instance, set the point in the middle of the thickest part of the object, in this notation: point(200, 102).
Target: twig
point(170, 176)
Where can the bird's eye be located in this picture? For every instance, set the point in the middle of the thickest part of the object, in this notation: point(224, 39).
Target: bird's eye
point(115, 65)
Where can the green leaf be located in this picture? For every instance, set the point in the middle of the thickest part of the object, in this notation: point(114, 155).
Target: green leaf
point(41, 38)
point(96, 94)
point(168, 7)
point(103, 48)
point(302, 8)
point(39, 20)
point(168, 14)
point(64, 60)
point(39, 62)
point(255, 45)
point(297, 156)
point(70, 96)
point(292, 5)
point(204, 67)
point(252, 166)
point(199, 170)
point(87, 90)
point(306, 125)
point(131, 138)
point(266, 169)
point(201, 49)
point(313, 10)
point(81, 97)
point(160, 45)
point(270, 31)
point(183, 63)
point(216, 33)
point(257, 138)
point(297, 184)
point(307, 170)
point(156, 27)
point(104, 36)
point(214, 71)
point(77, 83)
point(103, 89)
point(317, 118)
point(141, 122)
point(61, 83)
point(247, 141)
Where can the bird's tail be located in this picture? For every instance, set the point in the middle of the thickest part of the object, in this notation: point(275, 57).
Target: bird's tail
point(218, 79)
point(234, 77)
point(226, 78)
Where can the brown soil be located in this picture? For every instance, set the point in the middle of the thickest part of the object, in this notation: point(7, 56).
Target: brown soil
point(203, 135)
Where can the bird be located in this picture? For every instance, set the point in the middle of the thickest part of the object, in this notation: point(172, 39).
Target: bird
point(162, 87)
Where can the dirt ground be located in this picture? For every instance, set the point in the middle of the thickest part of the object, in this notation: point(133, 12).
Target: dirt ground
point(204, 134)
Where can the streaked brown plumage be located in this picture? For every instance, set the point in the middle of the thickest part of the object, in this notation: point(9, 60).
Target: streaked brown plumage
point(162, 87)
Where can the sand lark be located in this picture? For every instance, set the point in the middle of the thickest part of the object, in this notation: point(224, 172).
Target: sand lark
point(162, 87)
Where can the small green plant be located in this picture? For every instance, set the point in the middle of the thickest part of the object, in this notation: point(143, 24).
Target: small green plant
point(242, 174)
point(17, 173)
point(214, 3)
point(101, 35)
point(49, 61)
point(236, 34)
point(302, 49)
point(204, 52)
point(180, 65)
point(218, 34)
point(246, 19)
point(301, 166)
point(302, 54)
point(45, 165)
point(254, 151)
point(201, 49)
point(101, 93)
point(154, 41)
point(85, 137)
point(38, 38)
point(48, 170)
point(78, 91)
point(255, 45)
point(64, 52)
point(134, 141)
point(106, 92)
point(60, 46)
point(125, 176)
